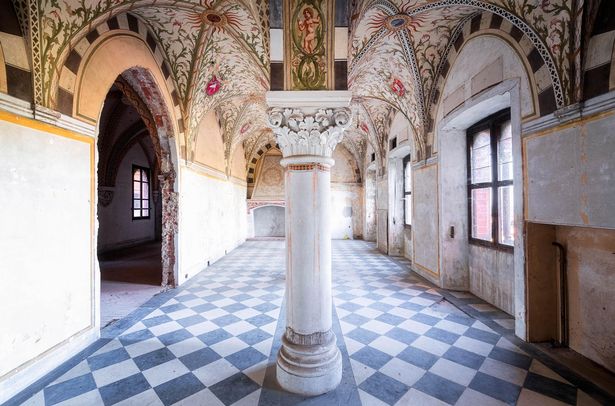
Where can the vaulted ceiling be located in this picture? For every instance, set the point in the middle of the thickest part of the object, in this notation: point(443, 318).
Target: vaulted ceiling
point(396, 58)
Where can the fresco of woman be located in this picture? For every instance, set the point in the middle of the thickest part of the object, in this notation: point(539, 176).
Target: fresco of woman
point(309, 25)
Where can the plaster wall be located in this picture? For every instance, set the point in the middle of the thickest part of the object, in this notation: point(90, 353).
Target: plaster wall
point(396, 207)
point(209, 148)
point(369, 218)
point(346, 211)
point(238, 164)
point(116, 225)
point(582, 177)
point(454, 259)
point(591, 277)
point(382, 214)
point(212, 219)
point(425, 221)
point(46, 244)
point(269, 221)
point(492, 276)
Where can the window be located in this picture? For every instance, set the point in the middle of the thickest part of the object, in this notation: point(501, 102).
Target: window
point(490, 182)
point(140, 192)
point(407, 191)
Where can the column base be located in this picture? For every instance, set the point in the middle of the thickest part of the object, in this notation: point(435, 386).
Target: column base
point(309, 369)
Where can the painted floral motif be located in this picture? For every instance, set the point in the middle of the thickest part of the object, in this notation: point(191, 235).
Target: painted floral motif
point(384, 24)
point(213, 86)
point(398, 87)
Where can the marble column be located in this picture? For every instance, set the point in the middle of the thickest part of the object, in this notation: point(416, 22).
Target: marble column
point(309, 361)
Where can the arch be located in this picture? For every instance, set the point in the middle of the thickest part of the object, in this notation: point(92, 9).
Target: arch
point(552, 97)
point(144, 85)
point(251, 164)
point(208, 146)
point(354, 174)
point(544, 102)
point(131, 37)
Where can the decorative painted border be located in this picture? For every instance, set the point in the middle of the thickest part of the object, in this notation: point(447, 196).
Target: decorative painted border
point(124, 22)
point(15, 76)
point(251, 167)
point(253, 204)
point(483, 23)
point(308, 167)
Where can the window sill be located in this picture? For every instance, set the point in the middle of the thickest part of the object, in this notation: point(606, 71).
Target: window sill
point(490, 245)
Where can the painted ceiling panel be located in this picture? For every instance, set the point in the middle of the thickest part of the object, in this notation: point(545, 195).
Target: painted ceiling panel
point(396, 48)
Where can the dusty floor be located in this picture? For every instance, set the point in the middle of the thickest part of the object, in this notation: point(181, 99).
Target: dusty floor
point(214, 341)
point(129, 278)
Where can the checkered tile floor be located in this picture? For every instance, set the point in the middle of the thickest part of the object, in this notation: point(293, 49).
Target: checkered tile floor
point(210, 342)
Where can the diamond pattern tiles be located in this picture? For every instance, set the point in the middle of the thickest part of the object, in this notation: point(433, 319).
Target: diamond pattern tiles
point(210, 342)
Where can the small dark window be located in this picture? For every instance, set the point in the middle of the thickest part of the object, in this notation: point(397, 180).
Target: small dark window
point(393, 143)
point(490, 182)
point(140, 192)
point(373, 156)
point(407, 191)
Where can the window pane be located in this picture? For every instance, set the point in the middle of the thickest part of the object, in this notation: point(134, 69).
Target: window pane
point(480, 157)
point(408, 209)
point(145, 213)
point(145, 204)
point(481, 214)
point(136, 213)
point(505, 153)
point(408, 178)
point(145, 191)
point(136, 190)
point(506, 226)
point(136, 204)
point(144, 175)
point(136, 174)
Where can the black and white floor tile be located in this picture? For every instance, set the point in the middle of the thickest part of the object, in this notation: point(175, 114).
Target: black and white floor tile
point(213, 341)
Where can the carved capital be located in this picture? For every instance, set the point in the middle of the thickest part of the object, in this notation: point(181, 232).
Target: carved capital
point(317, 134)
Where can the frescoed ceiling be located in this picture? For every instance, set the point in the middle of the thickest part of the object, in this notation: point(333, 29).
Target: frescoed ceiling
point(408, 40)
point(396, 49)
point(222, 40)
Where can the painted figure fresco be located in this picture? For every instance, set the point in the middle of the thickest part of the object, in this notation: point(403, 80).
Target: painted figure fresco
point(308, 29)
point(309, 25)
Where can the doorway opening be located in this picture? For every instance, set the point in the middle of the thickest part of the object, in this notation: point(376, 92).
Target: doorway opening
point(129, 207)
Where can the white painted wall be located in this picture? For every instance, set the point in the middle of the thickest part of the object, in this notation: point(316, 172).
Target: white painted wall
point(345, 209)
point(116, 226)
point(425, 221)
point(269, 221)
point(46, 237)
point(582, 177)
point(213, 220)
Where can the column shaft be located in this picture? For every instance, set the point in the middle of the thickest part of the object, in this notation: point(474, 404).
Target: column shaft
point(308, 247)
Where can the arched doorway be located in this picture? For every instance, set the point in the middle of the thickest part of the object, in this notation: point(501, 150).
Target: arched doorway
point(129, 207)
point(136, 204)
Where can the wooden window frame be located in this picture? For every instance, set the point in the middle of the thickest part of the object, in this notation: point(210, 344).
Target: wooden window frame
point(494, 124)
point(407, 194)
point(149, 192)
